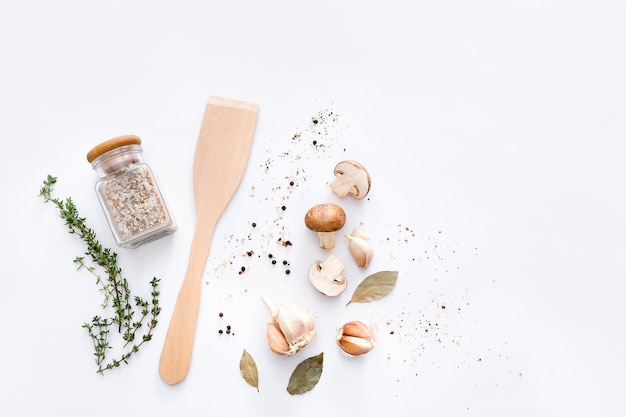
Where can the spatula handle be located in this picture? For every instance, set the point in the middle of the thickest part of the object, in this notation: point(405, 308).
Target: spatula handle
point(178, 346)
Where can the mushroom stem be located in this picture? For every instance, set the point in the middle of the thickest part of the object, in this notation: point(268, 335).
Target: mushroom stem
point(327, 239)
point(342, 185)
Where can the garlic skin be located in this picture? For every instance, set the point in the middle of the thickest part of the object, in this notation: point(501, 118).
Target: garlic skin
point(290, 328)
point(360, 247)
point(355, 338)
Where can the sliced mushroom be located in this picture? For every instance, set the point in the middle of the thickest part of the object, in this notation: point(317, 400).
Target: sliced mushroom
point(325, 219)
point(326, 276)
point(351, 178)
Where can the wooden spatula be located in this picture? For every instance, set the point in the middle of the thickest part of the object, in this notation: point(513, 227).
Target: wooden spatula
point(220, 161)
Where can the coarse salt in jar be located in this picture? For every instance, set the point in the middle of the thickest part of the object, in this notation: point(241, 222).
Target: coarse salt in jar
point(128, 192)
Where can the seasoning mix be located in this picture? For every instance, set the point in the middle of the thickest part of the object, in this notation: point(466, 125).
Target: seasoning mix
point(129, 195)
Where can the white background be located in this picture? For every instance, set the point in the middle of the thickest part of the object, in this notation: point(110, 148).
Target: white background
point(492, 131)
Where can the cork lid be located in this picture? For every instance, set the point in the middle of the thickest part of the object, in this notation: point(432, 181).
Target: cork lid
point(111, 144)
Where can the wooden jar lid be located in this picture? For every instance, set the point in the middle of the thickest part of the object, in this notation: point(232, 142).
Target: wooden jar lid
point(111, 144)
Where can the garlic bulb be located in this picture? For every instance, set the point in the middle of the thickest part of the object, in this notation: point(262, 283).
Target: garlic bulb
point(355, 338)
point(290, 328)
point(360, 247)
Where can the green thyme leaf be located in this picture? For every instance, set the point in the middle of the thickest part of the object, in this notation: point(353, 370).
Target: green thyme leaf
point(117, 295)
point(374, 287)
point(306, 375)
point(248, 369)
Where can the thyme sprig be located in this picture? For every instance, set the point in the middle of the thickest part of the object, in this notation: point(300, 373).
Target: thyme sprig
point(115, 289)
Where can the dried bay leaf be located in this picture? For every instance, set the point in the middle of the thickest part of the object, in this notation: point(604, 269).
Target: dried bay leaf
point(374, 287)
point(248, 369)
point(306, 375)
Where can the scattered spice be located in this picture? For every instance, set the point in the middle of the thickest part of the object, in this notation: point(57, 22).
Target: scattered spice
point(421, 321)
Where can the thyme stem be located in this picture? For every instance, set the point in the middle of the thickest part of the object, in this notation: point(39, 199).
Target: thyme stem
point(116, 290)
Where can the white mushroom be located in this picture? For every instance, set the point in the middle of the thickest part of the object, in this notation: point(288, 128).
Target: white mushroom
point(351, 178)
point(326, 276)
point(325, 219)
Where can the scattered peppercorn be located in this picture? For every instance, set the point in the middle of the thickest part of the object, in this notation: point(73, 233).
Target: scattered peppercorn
point(253, 224)
point(285, 262)
point(314, 142)
point(220, 331)
point(287, 272)
point(274, 262)
point(291, 183)
point(221, 314)
point(283, 208)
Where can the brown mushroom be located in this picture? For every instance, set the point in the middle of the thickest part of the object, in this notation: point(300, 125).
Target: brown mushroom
point(325, 219)
point(351, 178)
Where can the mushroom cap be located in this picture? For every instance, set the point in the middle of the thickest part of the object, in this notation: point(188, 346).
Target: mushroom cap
point(327, 217)
point(354, 174)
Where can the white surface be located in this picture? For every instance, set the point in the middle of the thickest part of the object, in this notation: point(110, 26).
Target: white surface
point(491, 129)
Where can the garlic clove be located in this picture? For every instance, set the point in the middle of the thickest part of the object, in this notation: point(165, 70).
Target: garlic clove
point(355, 346)
point(355, 338)
point(357, 329)
point(360, 247)
point(276, 340)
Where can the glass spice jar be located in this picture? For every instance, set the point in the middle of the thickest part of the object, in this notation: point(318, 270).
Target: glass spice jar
point(128, 192)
